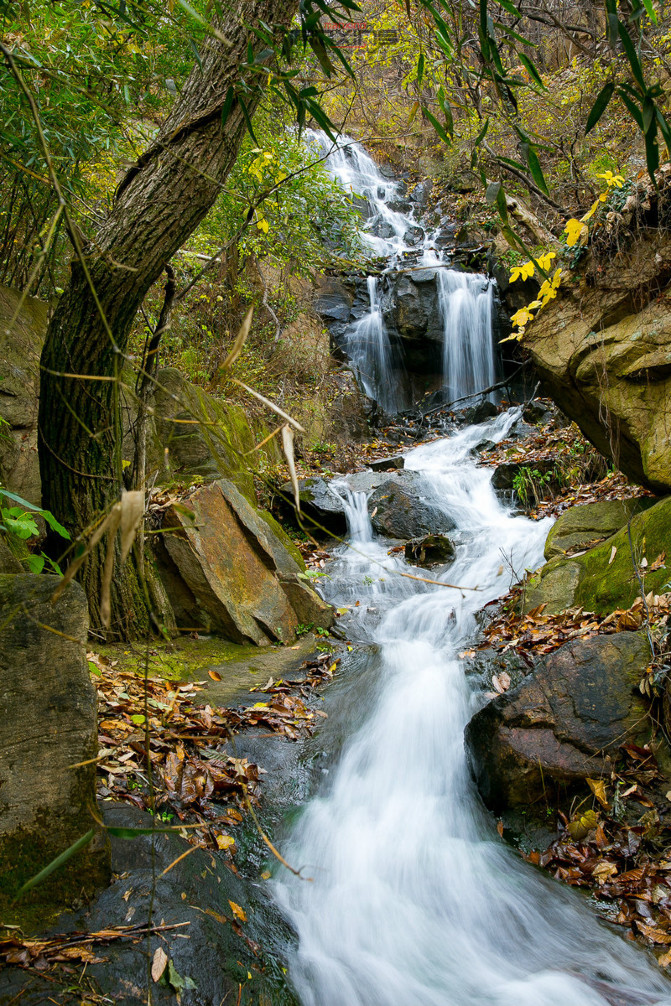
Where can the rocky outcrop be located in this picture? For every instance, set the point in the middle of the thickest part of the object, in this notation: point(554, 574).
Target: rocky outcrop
point(562, 723)
point(48, 725)
point(225, 569)
point(21, 338)
point(603, 349)
point(606, 577)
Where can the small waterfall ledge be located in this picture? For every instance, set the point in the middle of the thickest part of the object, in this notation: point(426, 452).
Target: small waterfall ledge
point(426, 327)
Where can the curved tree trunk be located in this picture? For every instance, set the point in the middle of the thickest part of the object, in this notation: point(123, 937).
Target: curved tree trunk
point(158, 205)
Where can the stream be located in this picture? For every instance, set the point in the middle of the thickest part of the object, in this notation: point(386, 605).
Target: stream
point(414, 900)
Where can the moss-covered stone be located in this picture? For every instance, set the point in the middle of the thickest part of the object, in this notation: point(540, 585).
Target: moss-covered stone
point(604, 578)
point(587, 525)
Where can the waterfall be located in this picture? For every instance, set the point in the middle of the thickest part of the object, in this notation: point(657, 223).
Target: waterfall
point(414, 900)
point(372, 355)
point(464, 300)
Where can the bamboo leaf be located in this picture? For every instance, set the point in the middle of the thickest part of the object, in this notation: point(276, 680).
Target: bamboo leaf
point(437, 126)
point(536, 170)
point(55, 863)
point(599, 106)
point(630, 53)
point(531, 69)
point(240, 340)
point(288, 448)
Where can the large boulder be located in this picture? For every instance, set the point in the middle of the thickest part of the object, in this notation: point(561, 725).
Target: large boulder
point(604, 577)
point(399, 508)
point(431, 550)
point(48, 727)
point(226, 569)
point(582, 527)
point(603, 351)
point(21, 339)
point(562, 723)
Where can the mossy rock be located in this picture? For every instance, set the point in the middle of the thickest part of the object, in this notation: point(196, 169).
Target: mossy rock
point(587, 525)
point(604, 577)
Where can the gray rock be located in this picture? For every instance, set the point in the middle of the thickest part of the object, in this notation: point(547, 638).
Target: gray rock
point(334, 300)
point(431, 550)
point(559, 725)
point(48, 724)
point(413, 236)
point(481, 412)
point(402, 510)
point(384, 464)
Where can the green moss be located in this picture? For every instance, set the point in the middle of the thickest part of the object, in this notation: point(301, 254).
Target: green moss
point(279, 531)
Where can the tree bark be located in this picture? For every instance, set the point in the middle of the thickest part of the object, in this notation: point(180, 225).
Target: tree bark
point(159, 203)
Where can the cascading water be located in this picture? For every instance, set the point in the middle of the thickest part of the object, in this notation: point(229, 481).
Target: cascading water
point(464, 299)
point(372, 355)
point(466, 303)
point(414, 900)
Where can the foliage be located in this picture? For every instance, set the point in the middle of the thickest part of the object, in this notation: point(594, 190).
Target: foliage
point(17, 520)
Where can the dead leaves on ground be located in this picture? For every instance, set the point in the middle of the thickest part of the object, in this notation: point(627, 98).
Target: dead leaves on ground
point(196, 779)
point(537, 633)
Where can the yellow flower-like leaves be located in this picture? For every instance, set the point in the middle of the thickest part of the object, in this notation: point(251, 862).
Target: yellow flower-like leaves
point(575, 231)
point(545, 260)
point(611, 180)
point(522, 317)
point(263, 225)
point(522, 272)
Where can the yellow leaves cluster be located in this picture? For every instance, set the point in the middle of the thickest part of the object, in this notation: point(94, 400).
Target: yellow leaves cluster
point(263, 225)
point(547, 292)
point(611, 180)
point(527, 270)
point(576, 231)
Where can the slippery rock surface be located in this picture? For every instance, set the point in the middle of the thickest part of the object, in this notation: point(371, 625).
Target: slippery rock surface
point(603, 350)
point(224, 568)
point(604, 577)
point(399, 510)
point(431, 550)
point(561, 723)
point(48, 724)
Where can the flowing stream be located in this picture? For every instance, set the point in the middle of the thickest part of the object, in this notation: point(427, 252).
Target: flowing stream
point(415, 901)
point(464, 300)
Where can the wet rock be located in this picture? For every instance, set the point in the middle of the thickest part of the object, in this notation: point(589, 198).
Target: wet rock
point(318, 502)
point(483, 446)
point(400, 205)
point(229, 572)
point(537, 413)
point(413, 236)
point(384, 464)
point(334, 300)
point(382, 229)
point(603, 578)
point(49, 724)
point(534, 478)
point(221, 950)
point(421, 192)
point(587, 525)
point(561, 723)
point(401, 509)
point(481, 412)
point(431, 550)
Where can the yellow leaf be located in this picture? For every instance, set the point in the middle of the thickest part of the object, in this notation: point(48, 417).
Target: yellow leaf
point(263, 225)
point(598, 787)
point(237, 911)
point(556, 279)
point(545, 260)
point(574, 230)
point(225, 841)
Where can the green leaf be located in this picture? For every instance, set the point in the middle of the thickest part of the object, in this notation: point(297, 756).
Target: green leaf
point(599, 106)
point(228, 105)
point(55, 863)
point(632, 108)
point(650, 10)
point(630, 53)
point(652, 151)
point(509, 6)
point(319, 49)
point(138, 719)
point(664, 129)
point(531, 69)
point(36, 563)
point(420, 69)
point(502, 204)
point(437, 126)
point(536, 170)
point(481, 135)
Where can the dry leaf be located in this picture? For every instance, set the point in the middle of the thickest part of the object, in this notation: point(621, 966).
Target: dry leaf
point(240, 340)
point(159, 963)
point(215, 675)
point(225, 841)
point(598, 787)
point(237, 911)
point(288, 448)
point(613, 552)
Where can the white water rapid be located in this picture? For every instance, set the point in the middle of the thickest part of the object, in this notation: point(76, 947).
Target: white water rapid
point(464, 299)
point(415, 901)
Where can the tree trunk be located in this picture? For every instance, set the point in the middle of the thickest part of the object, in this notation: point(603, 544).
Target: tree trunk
point(159, 203)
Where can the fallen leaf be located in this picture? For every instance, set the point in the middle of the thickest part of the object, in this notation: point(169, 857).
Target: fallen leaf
point(215, 675)
point(237, 911)
point(598, 787)
point(159, 963)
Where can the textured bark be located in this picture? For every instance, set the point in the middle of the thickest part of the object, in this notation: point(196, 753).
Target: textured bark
point(158, 205)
